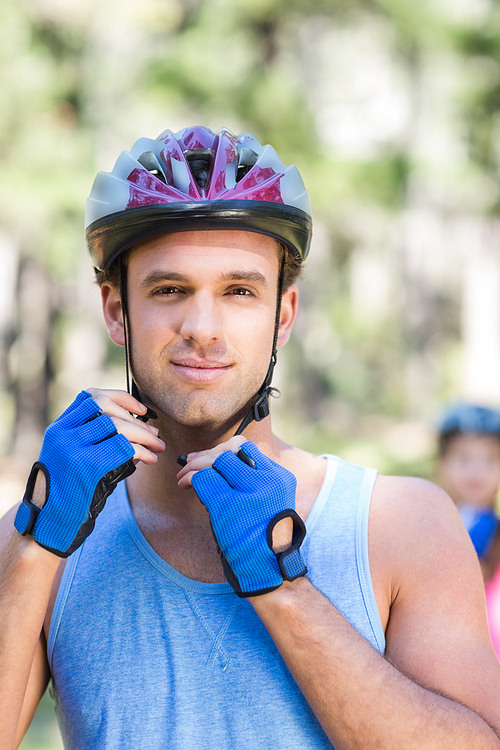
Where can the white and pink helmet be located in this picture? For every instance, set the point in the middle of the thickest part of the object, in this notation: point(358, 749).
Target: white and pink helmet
point(196, 179)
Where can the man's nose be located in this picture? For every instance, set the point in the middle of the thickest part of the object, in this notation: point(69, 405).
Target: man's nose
point(202, 321)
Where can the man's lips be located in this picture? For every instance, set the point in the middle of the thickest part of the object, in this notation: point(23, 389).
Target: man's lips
point(200, 370)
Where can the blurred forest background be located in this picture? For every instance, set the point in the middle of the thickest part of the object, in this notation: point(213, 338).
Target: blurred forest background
point(391, 111)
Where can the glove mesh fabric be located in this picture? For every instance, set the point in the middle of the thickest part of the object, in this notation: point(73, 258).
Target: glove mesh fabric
point(242, 502)
point(80, 450)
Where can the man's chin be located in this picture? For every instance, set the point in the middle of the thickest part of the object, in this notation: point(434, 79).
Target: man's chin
point(198, 410)
point(203, 419)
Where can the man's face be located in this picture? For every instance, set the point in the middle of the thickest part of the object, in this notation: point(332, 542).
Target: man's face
point(202, 309)
point(470, 469)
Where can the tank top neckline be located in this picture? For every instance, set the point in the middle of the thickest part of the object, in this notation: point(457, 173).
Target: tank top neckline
point(198, 587)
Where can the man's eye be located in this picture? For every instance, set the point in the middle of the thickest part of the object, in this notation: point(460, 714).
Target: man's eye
point(241, 292)
point(165, 291)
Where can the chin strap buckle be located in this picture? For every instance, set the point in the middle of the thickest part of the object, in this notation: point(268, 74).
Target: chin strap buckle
point(259, 411)
point(261, 406)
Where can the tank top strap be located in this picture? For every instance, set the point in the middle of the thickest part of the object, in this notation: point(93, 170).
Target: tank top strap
point(336, 545)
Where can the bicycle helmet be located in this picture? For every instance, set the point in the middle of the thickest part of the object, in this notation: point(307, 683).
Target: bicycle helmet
point(196, 179)
point(469, 418)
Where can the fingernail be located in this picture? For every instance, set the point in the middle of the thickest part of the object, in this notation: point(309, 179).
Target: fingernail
point(192, 455)
point(154, 430)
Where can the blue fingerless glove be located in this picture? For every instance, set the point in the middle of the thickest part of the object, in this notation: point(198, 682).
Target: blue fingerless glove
point(83, 458)
point(482, 524)
point(246, 494)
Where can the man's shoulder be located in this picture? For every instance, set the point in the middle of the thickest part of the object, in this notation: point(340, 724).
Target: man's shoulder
point(415, 501)
point(415, 528)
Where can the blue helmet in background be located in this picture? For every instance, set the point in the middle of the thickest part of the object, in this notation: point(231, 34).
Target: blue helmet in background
point(468, 418)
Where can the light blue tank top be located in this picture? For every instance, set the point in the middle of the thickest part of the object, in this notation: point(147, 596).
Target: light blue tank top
point(143, 658)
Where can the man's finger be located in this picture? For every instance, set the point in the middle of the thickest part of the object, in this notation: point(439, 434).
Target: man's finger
point(143, 454)
point(197, 464)
point(199, 460)
point(137, 432)
point(233, 444)
point(121, 398)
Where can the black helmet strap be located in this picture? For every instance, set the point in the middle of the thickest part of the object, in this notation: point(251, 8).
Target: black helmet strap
point(260, 409)
point(124, 300)
point(131, 385)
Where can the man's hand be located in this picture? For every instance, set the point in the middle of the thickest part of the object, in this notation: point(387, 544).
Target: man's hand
point(282, 532)
point(120, 406)
point(86, 451)
point(247, 495)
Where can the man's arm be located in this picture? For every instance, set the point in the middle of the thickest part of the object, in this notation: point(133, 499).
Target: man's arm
point(439, 682)
point(27, 572)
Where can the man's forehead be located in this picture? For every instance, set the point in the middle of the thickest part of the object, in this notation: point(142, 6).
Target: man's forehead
point(229, 252)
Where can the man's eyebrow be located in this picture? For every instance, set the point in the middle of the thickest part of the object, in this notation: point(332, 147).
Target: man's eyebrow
point(245, 276)
point(156, 277)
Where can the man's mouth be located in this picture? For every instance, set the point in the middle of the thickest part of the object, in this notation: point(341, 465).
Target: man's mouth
point(200, 370)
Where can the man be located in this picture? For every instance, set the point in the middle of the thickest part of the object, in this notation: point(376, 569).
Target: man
point(176, 623)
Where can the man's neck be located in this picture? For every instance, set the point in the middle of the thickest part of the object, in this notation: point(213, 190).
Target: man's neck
point(156, 485)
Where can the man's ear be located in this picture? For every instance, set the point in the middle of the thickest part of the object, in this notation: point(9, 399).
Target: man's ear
point(112, 311)
point(289, 308)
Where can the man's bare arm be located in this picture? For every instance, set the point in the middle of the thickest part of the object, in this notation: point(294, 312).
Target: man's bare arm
point(27, 573)
point(360, 699)
point(438, 685)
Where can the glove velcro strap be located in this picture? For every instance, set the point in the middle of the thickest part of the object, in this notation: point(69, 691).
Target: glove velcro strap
point(26, 516)
point(28, 512)
point(290, 560)
point(291, 564)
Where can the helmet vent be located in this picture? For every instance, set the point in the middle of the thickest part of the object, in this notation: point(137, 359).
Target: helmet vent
point(149, 160)
point(248, 159)
point(199, 160)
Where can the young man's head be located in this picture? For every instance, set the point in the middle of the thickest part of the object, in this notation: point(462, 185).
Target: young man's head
point(202, 311)
point(469, 463)
point(194, 236)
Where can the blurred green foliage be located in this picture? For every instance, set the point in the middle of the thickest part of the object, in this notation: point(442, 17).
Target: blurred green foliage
point(76, 87)
point(389, 108)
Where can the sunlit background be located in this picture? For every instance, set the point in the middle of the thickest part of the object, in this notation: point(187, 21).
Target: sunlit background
point(391, 111)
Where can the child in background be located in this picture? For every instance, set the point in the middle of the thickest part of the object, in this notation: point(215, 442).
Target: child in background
point(469, 470)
